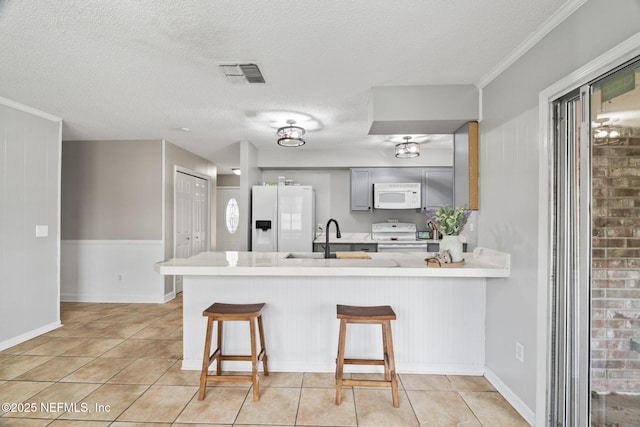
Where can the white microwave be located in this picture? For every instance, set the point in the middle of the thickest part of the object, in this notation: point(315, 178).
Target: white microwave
point(396, 195)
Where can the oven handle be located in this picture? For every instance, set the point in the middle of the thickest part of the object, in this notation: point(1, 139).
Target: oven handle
point(401, 246)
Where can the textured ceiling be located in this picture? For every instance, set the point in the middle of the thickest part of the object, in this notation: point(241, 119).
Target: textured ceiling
point(124, 69)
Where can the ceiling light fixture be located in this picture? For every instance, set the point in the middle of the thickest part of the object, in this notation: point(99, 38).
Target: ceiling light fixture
point(407, 150)
point(236, 171)
point(291, 136)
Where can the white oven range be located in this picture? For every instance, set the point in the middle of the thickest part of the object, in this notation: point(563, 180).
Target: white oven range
point(397, 237)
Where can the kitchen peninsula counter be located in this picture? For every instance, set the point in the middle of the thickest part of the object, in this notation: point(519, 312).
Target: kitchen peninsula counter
point(441, 311)
point(481, 262)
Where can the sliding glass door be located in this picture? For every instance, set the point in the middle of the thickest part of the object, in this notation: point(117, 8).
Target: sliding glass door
point(595, 296)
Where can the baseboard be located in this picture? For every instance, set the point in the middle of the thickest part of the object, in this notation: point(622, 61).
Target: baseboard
point(144, 299)
point(168, 297)
point(28, 335)
point(511, 397)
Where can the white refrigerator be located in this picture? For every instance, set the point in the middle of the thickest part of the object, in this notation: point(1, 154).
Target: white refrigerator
point(282, 218)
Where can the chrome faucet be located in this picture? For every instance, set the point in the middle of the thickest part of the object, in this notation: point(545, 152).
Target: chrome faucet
point(327, 251)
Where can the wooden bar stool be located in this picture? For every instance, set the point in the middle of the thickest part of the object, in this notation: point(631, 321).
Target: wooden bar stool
point(233, 312)
point(381, 315)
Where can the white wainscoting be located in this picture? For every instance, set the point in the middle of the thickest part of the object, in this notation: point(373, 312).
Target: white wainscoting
point(439, 329)
point(111, 271)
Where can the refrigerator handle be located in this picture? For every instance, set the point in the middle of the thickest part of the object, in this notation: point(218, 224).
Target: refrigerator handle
point(275, 231)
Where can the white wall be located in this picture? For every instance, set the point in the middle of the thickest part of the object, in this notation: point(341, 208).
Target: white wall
point(510, 145)
point(29, 195)
point(251, 175)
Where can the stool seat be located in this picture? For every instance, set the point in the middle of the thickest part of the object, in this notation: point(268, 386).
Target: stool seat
point(353, 312)
point(233, 311)
point(377, 315)
point(222, 312)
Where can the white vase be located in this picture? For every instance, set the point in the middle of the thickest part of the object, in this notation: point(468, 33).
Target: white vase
point(454, 245)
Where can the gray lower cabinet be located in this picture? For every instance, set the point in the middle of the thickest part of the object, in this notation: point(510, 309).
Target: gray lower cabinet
point(364, 247)
point(347, 247)
point(435, 247)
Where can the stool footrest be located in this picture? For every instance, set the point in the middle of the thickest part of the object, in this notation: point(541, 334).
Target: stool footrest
point(367, 383)
point(364, 362)
point(235, 357)
point(229, 378)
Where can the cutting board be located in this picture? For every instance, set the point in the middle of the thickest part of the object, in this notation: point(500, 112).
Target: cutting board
point(352, 255)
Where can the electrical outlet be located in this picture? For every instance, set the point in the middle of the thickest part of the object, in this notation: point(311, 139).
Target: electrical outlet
point(519, 352)
point(320, 227)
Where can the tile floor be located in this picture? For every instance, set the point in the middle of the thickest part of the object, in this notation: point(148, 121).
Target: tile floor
point(119, 365)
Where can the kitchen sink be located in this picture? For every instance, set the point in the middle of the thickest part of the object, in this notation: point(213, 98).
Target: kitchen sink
point(309, 255)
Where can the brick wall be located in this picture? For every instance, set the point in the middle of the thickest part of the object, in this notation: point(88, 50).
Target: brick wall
point(615, 315)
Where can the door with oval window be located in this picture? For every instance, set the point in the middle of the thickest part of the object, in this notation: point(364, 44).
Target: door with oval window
point(228, 216)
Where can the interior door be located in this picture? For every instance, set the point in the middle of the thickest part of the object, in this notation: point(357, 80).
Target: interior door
point(191, 222)
point(199, 215)
point(183, 215)
point(228, 213)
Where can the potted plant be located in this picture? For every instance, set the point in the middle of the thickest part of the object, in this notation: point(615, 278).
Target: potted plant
point(449, 221)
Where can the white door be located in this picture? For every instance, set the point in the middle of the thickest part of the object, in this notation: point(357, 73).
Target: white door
point(191, 229)
point(199, 215)
point(228, 214)
point(184, 207)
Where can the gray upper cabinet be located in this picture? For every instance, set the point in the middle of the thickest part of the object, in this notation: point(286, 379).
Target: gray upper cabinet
point(361, 189)
point(437, 187)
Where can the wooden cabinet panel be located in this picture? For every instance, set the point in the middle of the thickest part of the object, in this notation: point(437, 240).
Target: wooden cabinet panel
point(465, 161)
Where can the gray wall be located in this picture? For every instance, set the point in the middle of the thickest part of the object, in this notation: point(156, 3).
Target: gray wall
point(228, 180)
point(509, 152)
point(29, 196)
point(333, 192)
point(112, 190)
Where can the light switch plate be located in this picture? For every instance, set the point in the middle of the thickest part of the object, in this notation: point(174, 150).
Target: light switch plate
point(42, 231)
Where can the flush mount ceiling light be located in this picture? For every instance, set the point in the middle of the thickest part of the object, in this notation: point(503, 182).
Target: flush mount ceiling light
point(291, 136)
point(407, 150)
point(604, 134)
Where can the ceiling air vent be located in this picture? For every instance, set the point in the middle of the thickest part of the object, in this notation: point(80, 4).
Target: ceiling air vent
point(242, 73)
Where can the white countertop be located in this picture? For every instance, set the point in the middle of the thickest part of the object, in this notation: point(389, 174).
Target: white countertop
point(482, 262)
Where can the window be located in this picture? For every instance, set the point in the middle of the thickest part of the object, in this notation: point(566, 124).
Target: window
point(232, 216)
